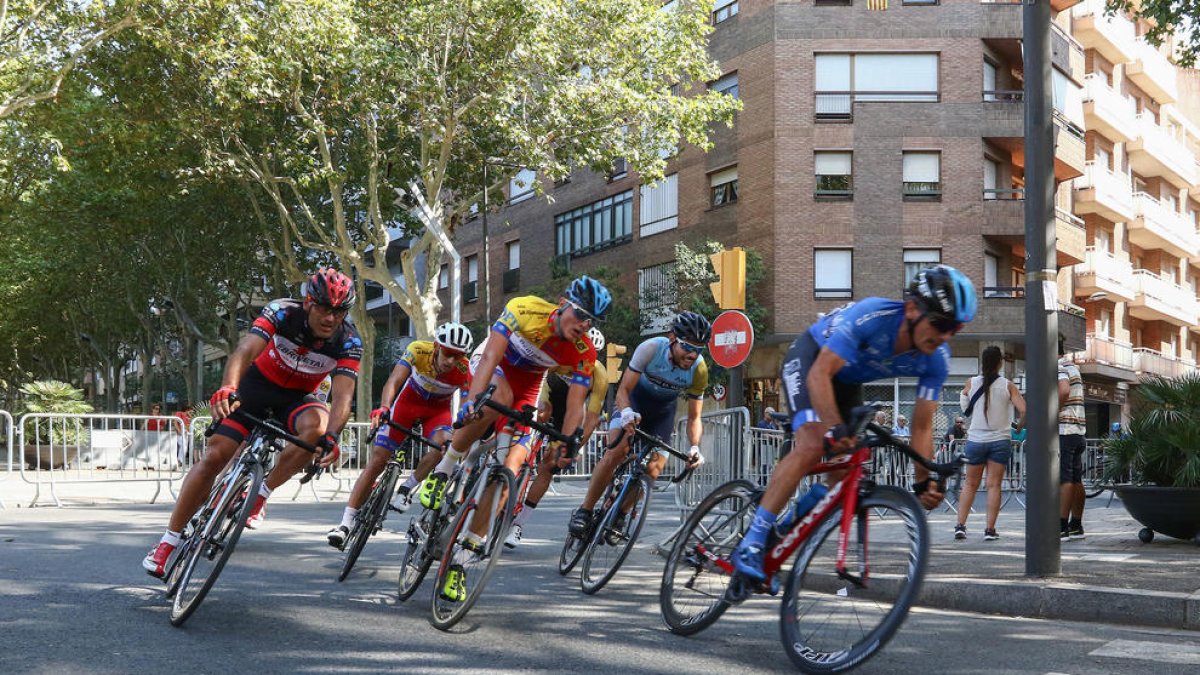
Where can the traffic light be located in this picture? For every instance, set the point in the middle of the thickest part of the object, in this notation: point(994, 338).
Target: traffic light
point(729, 290)
point(612, 361)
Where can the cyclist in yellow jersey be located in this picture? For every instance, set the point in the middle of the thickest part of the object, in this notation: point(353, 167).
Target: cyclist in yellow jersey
point(531, 336)
point(552, 406)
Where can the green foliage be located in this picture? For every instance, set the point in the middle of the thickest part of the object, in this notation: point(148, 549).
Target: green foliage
point(52, 396)
point(622, 325)
point(1170, 20)
point(1161, 445)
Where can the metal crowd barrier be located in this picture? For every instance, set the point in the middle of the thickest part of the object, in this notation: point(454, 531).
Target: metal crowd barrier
point(7, 430)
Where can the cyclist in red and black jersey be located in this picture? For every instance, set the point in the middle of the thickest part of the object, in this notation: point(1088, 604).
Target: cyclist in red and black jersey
point(277, 366)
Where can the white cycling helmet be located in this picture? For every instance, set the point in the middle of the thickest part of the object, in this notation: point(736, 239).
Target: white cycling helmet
point(597, 338)
point(454, 336)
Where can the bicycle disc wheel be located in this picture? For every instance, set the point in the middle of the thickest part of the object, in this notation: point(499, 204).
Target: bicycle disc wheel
point(476, 567)
point(368, 520)
point(698, 569)
point(829, 624)
point(214, 543)
point(613, 539)
point(419, 552)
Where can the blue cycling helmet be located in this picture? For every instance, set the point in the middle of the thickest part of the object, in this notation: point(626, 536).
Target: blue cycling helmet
point(943, 290)
point(590, 296)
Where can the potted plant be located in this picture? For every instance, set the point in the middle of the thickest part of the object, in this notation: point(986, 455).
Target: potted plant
point(1159, 454)
point(52, 443)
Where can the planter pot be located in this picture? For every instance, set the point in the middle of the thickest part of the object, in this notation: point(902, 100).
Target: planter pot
point(50, 457)
point(1172, 511)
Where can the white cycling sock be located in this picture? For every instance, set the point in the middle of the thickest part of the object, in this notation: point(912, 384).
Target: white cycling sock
point(449, 461)
point(348, 517)
point(171, 538)
point(410, 483)
point(462, 555)
point(264, 490)
point(525, 514)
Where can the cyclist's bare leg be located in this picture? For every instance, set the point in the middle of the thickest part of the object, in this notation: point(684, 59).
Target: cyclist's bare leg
point(603, 472)
point(199, 480)
point(806, 453)
point(654, 467)
point(310, 427)
point(546, 470)
point(366, 480)
point(514, 458)
point(466, 436)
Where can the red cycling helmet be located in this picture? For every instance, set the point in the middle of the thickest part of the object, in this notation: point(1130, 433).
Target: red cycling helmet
point(330, 287)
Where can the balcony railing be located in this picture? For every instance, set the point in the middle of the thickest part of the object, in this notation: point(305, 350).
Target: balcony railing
point(1152, 72)
point(1159, 298)
point(1107, 351)
point(1158, 226)
point(1010, 194)
point(839, 105)
point(1003, 95)
point(1152, 362)
point(1112, 113)
point(1166, 153)
point(1109, 269)
point(1113, 36)
point(1113, 194)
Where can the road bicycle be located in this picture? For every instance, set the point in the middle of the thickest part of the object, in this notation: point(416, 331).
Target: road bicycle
point(620, 515)
point(211, 534)
point(372, 514)
point(837, 611)
point(494, 494)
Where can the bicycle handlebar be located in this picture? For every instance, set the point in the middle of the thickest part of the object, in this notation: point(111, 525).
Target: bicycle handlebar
point(525, 417)
point(944, 470)
point(268, 425)
point(412, 435)
point(655, 442)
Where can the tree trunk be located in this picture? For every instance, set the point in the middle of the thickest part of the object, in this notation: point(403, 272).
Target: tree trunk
point(363, 394)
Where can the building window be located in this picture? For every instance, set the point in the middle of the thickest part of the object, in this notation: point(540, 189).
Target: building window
point(595, 226)
point(724, 9)
point(471, 287)
point(514, 254)
point(660, 206)
point(724, 188)
point(832, 3)
point(833, 273)
point(842, 79)
point(472, 268)
point(620, 170)
point(657, 297)
point(917, 259)
point(444, 277)
point(991, 278)
point(520, 187)
point(835, 179)
point(923, 175)
point(726, 84)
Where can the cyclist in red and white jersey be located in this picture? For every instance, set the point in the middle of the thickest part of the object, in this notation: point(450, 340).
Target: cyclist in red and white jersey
point(276, 367)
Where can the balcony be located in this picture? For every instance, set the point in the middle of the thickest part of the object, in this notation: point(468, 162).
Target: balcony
point(1060, 5)
point(1107, 358)
point(1107, 111)
point(1070, 151)
point(1112, 36)
point(1001, 316)
point(1072, 238)
point(1159, 299)
point(1153, 72)
point(1151, 362)
point(1155, 152)
point(1004, 212)
point(1103, 272)
point(1104, 193)
point(1157, 227)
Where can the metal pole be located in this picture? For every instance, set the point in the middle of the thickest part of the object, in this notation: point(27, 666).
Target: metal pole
point(1042, 554)
point(487, 259)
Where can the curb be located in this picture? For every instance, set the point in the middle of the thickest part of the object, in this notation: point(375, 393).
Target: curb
point(1069, 602)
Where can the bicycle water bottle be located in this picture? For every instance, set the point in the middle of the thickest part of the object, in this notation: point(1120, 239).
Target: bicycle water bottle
point(802, 506)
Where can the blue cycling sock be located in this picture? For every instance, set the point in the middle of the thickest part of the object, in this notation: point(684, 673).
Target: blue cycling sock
point(764, 521)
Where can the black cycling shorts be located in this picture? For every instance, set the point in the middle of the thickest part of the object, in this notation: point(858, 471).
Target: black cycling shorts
point(265, 400)
point(800, 357)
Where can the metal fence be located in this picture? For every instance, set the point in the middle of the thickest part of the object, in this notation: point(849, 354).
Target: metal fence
point(6, 427)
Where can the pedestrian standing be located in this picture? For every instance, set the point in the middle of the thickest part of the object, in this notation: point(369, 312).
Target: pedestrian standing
point(988, 400)
point(1072, 425)
point(902, 430)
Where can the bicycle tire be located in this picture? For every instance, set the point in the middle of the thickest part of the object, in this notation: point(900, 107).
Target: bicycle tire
point(445, 614)
point(572, 551)
point(418, 556)
point(373, 513)
point(223, 530)
point(717, 524)
point(598, 567)
point(899, 554)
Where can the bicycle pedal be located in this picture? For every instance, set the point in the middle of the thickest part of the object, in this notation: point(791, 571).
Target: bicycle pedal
point(739, 590)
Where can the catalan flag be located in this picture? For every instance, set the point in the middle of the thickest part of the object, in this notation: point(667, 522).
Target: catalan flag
point(877, 5)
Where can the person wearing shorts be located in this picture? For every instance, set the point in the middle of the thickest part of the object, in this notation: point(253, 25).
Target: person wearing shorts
point(1072, 425)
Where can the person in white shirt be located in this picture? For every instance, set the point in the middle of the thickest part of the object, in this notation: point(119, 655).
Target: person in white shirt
point(902, 429)
point(988, 401)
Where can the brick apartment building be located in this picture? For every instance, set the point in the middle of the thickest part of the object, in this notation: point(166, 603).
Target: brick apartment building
point(873, 143)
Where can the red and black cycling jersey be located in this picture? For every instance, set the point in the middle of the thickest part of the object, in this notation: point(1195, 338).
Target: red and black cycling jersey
point(296, 359)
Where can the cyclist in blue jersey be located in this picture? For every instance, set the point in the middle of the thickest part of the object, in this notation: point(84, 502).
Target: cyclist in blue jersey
point(660, 370)
point(824, 371)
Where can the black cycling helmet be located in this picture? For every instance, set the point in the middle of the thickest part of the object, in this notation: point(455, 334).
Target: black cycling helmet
point(330, 287)
point(590, 296)
point(691, 327)
point(945, 291)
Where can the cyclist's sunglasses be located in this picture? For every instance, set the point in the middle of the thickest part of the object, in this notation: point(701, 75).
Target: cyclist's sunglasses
point(691, 348)
point(330, 309)
point(943, 324)
point(584, 315)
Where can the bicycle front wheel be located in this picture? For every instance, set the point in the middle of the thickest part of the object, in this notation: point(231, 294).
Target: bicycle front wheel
point(830, 623)
point(368, 520)
point(616, 535)
point(213, 542)
point(698, 569)
point(419, 552)
point(496, 501)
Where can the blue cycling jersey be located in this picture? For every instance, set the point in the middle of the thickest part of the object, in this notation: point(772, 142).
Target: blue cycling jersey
point(864, 334)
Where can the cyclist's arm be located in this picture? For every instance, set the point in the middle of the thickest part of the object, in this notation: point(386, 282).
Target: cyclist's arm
point(922, 432)
point(624, 393)
point(248, 349)
point(695, 428)
point(340, 396)
point(591, 420)
point(573, 417)
point(394, 384)
point(820, 390)
point(493, 352)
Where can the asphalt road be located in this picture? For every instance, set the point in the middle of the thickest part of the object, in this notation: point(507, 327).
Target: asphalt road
point(73, 599)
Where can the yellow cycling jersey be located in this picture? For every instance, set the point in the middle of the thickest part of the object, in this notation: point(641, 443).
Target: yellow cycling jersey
point(596, 394)
point(533, 344)
point(424, 380)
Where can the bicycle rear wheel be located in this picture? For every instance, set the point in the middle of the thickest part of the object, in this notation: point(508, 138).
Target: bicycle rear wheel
point(698, 569)
point(477, 568)
point(829, 624)
point(613, 539)
point(369, 519)
point(214, 541)
point(419, 552)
